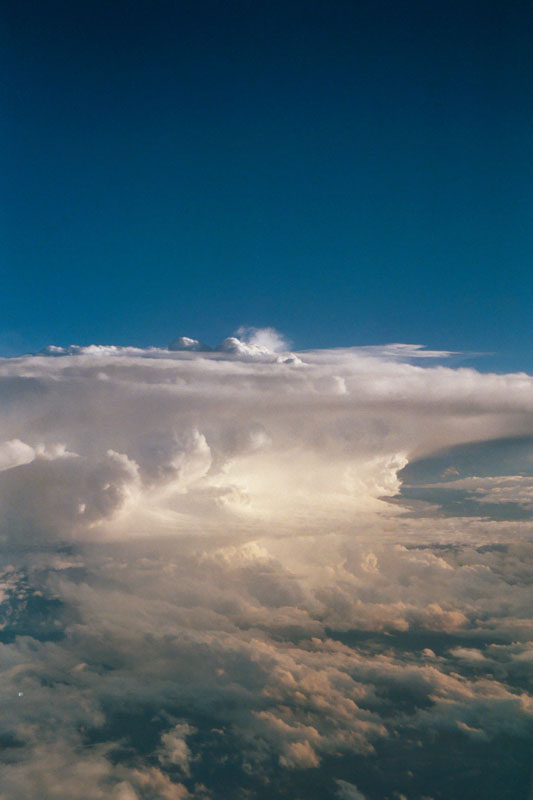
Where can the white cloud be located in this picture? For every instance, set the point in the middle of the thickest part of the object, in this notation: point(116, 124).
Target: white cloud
point(213, 548)
point(269, 338)
point(186, 343)
point(14, 453)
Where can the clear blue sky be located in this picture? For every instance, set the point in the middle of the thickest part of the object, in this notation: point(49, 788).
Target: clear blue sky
point(348, 172)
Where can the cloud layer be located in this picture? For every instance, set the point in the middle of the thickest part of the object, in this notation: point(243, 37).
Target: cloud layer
point(245, 572)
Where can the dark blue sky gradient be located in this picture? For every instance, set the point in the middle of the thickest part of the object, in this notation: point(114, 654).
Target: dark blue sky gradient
point(348, 172)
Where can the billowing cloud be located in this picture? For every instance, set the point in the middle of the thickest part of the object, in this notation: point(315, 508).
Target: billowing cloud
point(245, 572)
point(186, 343)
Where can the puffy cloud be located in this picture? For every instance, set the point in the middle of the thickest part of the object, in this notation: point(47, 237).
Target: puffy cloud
point(269, 338)
point(185, 343)
point(56, 499)
point(258, 344)
point(248, 342)
point(174, 749)
point(219, 578)
point(348, 791)
point(15, 453)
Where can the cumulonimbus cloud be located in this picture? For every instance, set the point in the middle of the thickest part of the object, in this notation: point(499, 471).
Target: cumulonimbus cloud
point(215, 546)
point(248, 438)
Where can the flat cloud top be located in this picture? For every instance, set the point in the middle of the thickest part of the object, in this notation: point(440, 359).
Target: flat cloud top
point(244, 436)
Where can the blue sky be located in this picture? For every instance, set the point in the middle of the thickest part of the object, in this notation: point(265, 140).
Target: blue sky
point(347, 172)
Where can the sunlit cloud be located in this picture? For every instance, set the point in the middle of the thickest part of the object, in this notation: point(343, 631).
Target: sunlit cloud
point(217, 571)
